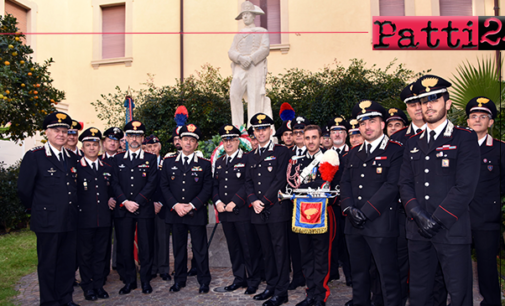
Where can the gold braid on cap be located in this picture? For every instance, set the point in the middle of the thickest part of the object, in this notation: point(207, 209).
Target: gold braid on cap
point(482, 101)
point(392, 111)
point(365, 104)
point(429, 82)
point(61, 117)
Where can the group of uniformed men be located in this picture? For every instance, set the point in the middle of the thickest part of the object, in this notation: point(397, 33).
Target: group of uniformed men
point(410, 203)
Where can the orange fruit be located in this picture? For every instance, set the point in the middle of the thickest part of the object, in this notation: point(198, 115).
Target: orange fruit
point(29, 74)
point(36, 97)
point(11, 47)
point(32, 69)
point(7, 63)
point(17, 38)
point(7, 92)
point(14, 53)
point(35, 92)
point(21, 62)
point(23, 85)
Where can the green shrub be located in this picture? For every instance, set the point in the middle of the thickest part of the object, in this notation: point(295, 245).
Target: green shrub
point(13, 212)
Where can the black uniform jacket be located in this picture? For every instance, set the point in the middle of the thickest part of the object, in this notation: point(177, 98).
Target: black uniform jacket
point(135, 181)
point(49, 189)
point(265, 176)
point(404, 134)
point(229, 186)
point(335, 183)
point(158, 195)
point(93, 192)
point(485, 208)
point(441, 180)
point(108, 160)
point(371, 185)
point(191, 184)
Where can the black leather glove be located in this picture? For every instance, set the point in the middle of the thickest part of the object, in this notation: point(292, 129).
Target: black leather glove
point(356, 216)
point(428, 227)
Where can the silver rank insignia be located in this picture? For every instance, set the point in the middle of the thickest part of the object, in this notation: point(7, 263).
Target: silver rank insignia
point(270, 169)
point(239, 174)
point(445, 162)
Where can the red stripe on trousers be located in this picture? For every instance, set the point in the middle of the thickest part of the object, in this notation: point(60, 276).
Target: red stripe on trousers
point(333, 232)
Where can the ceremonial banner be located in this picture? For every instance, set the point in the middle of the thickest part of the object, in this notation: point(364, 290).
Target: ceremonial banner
point(310, 216)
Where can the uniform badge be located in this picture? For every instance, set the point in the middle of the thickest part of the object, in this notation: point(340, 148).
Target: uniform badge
point(196, 179)
point(270, 169)
point(51, 171)
point(379, 170)
point(415, 150)
point(147, 163)
point(73, 170)
point(239, 174)
point(440, 154)
point(144, 174)
point(121, 166)
point(174, 168)
point(490, 168)
point(173, 178)
point(445, 162)
point(219, 167)
point(485, 161)
point(85, 184)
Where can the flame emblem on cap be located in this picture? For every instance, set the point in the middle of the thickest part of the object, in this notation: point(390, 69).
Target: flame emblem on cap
point(93, 131)
point(482, 101)
point(429, 82)
point(61, 117)
point(365, 104)
point(228, 128)
point(191, 128)
point(392, 111)
point(260, 118)
point(338, 120)
point(288, 124)
point(353, 122)
point(136, 124)
point(74, 123)
point(116, 130)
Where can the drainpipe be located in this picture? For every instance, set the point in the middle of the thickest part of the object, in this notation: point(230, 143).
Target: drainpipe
point(498, 53)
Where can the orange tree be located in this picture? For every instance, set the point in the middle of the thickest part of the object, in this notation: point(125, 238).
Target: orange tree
point(26, 91)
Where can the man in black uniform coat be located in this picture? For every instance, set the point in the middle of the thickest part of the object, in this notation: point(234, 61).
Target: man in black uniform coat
point(438, 181)
point(186, 184)
point(230, 198)
point(315, 248)
point(73, 138)
point(111, 146)
point(94, 217)
point(485, 212)
point(265, 176)
point(47, 188)
point(369, 200)
point(134, 181)
point(416, 115)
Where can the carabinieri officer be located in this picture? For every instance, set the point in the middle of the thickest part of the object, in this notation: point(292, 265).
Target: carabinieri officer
point(230, 199)
point(437, 183)
point(94, 218)
point(265, 176)
point(369, 199)
point(134, 181)
point(47, 187)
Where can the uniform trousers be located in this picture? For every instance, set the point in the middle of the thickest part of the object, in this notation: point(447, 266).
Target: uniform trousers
point(56, 267)
point(125, 233)
point(295, 255)
point(383, 250)
point(316, 254)
point(108, 254)
point(274, 245)
point(487, 244)
point(200, 252)
point(161, 261)
point(456, 266)
point(243, 253)
point(403, 257)
point(92, 255)
point(339, 254)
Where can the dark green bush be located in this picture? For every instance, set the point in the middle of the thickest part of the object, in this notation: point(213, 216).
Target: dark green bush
point(12, 214)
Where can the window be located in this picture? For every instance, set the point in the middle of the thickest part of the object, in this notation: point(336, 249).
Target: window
point(271, 20)
point(19, 12)
point(25, 12)
point(392, 7)
point(455, 7)
point(113, 21)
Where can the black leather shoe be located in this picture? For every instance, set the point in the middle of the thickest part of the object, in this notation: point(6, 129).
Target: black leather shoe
point(71, 303)
point(250, 290)
point(264, 295)
point(90, 295)
point(192, 272)
point(234, 287)
point(128, 288)
point(296, 283)
point(306, 302)
point(203, 289)
point(177, 287)
point(146, 288)
point(276, 301)
point(320, 303)
point(349, 303)
point(166, 277)
point(102, 294)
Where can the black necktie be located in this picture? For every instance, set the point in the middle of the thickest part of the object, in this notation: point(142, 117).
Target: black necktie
point(262, 150)
point(228, 160)
point(186, 161)
point(338, 151)
point(134, 156)
point(368, 149)
point(299, 152)
point(60, 157)
point(418, 131)
point(431, 140)
point(93, 166)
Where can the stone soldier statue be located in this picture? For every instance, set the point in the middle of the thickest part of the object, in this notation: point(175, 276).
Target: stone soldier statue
point(248, 53)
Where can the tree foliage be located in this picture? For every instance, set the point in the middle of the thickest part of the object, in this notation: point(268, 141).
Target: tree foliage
point(26, 91)
point(13, 212)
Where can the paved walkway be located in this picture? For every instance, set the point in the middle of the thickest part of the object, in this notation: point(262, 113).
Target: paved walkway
point(340, 293)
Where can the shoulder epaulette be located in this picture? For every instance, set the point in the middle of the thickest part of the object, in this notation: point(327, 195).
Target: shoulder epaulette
point(396, 142)
point(467, 129)
point(355, 147)
point(170, 156)
point(204, 159)
point(405, 127)
point(499, 140)
point(37, 148)
point(294, 157)
point(347, 153)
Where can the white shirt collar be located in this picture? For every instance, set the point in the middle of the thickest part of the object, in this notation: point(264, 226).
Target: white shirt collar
point(437, 130)
point(342, 148)
point(233, 155)
point(108, 155)
point(57, 152)
point(190, 157)
point(374, 143)
point(92, 162)
point(415, 127)
point(481, 141)
point(136, 152)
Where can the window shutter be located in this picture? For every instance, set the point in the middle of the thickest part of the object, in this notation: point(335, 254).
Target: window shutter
point(19, 12)
point(455, 7)
point(392, 7)
point(113, 20)
point(271, 20)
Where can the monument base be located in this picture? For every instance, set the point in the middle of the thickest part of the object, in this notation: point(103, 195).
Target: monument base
point(218, 248)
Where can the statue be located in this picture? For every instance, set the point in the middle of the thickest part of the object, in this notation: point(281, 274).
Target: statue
point(249, 53)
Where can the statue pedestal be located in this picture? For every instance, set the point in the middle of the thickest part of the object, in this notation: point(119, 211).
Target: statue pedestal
point(218, 249)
